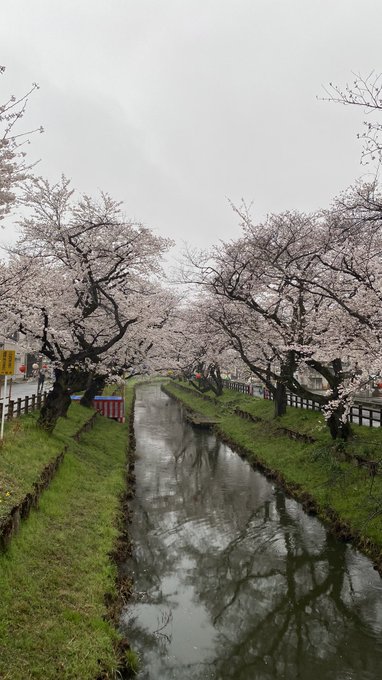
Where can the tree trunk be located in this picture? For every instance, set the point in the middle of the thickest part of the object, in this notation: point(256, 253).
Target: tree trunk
point(56, 406)
point(338, 429)
point(97, 383)
point(210, 379)
point(216, 380)
point(287, 370)
point(58, 399)
point(280, 399)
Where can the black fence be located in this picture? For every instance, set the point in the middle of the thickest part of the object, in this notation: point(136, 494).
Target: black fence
point(360, 414)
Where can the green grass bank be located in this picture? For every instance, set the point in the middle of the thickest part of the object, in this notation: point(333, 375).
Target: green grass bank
point(328, 479)
point(26, 450)
point(57, 576)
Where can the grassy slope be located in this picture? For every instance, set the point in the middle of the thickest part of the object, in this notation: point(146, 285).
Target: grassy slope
point(331, 482)
point(54, 577)
point(26, 450)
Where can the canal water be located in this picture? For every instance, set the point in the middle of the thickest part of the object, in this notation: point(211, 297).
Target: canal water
point(232, 579)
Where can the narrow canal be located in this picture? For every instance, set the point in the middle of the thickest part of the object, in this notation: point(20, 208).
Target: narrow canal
point(232, 579)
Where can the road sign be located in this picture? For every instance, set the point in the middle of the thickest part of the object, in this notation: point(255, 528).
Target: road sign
point(7, 367)
point(7, 361)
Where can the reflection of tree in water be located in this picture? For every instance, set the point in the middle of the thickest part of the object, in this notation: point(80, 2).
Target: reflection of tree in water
point(278, 590)
point(159, 514)
point(281, 609)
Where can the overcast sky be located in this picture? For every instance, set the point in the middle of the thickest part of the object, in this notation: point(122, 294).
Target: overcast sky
point(175, 106)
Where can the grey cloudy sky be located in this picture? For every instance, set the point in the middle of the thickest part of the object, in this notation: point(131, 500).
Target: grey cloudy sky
point(173, 106)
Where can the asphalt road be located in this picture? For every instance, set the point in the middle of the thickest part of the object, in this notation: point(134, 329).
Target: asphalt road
point(24, 389)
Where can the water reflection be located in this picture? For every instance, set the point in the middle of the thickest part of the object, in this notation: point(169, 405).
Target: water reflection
point(233, 580)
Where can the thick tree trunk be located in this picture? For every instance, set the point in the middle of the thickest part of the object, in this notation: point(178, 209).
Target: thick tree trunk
point(287, 370)
point(55, 407)
point(280, 399)
point(58, 399)
point(97, 383)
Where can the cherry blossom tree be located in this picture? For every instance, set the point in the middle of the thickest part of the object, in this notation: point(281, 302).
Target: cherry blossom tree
point(199, 348)
point(364, 92)
point(145, 347)
point(94, 269)
point(351, 281)
point(14, 167)
point(274, 288)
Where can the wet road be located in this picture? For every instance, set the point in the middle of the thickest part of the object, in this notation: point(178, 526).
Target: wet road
point(23, 389)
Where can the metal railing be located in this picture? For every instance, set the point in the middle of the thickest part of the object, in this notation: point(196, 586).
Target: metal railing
point(359, 413)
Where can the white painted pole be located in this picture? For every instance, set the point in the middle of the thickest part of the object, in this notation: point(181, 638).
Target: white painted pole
point(3, 413)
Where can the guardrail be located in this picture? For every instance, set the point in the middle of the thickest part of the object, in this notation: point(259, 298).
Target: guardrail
point(23, 405)
point(359, 413)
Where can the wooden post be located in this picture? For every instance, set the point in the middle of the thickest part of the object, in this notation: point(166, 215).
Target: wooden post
point(18, 407)
point(11, 406)
point(26, 407)
point(38, 401)
point(33, 404)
